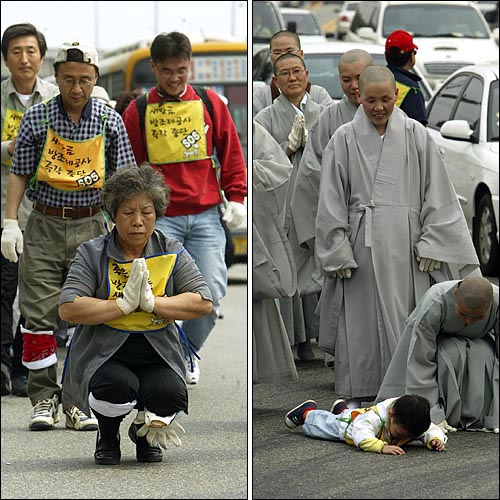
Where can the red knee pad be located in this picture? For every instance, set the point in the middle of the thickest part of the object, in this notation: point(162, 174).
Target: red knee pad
point(39, 349)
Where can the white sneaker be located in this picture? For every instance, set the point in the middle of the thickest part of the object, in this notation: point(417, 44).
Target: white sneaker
point(77, 420)
point(45, 414)
point(193, 376)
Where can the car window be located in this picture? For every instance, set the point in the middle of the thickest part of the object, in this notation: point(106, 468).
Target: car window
point(262, 67)
point(443, 104)
point(323, 71)
point(305, 24)
point(469, 105)
point(363, 15)
point(427, 20)
point(492, 132)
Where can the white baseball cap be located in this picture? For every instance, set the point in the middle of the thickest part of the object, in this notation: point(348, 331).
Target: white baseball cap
point(77, 51)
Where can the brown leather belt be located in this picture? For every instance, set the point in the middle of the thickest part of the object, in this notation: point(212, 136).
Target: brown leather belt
point(68, 212)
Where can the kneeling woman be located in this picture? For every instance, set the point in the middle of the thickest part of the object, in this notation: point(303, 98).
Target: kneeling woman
point(124, 290)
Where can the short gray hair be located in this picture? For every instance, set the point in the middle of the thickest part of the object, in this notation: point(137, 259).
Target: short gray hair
point(131, 181)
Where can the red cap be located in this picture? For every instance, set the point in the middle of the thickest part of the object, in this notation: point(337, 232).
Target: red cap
point(402, 40)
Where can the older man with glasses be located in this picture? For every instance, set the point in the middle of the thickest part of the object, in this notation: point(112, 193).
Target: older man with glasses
point(288, 120)
point(285, 42)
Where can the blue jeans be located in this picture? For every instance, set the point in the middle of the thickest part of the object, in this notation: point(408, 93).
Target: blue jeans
point(322, 424)
point(203, 237)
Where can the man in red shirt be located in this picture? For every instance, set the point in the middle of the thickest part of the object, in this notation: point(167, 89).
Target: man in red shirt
point(181, 137)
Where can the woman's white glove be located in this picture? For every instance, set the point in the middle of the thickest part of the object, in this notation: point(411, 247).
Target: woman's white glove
point(428, 264)
point(147, 298)
point(295, 135)
point(132, 291)
point(12, 240)
point(159, 433)
point(234, 214)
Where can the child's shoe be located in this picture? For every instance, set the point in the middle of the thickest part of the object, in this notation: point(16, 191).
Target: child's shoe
point(295, 417)
point(339, 406)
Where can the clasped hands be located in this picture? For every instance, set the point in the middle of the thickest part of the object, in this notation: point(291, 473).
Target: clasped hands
point(298, 134)
point(137, 291)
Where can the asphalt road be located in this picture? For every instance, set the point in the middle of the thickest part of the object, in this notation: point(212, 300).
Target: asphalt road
point(212, 463)
point(287, 464)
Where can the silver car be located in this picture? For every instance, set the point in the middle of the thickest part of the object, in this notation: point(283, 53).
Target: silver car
point(463, 120)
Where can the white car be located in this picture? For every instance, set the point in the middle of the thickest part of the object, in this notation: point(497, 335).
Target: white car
point(307, 24)
point(463, 120)
point(322, 62)
point(344, 19)
point(449, 35)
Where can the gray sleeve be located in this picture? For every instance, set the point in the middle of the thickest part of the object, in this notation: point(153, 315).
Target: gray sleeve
point(188, 278)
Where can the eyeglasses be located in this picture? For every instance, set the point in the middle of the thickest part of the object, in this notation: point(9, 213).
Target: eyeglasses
point(278, 52)
point(296, 72)
point(83, 82)
point(181, 72)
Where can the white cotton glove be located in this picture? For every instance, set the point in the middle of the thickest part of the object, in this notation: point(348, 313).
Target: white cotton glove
point(234, 214)
point(446, 427)
point(305, 136)
point(147, 298)
point(132, 291)
point(12, 240)
point(428, 264)
point(295, 135)
point(343, 273)
point(160, 433)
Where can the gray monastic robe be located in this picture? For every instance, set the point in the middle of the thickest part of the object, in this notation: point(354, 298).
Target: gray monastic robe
point(454, 366)
point(381, 203)
point(304, 199)
point(297, 312)
point(273, 269)
point(262, 97)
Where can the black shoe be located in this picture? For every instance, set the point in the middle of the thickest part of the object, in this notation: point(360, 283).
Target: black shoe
point(107, 452)
point(19, 384)
point(143, 451)
point(5, 380)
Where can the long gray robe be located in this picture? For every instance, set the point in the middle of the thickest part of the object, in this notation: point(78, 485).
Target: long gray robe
point(298, 312)
point(304, 198)
point(454, 366)
point(262, 97)
point(381, 203)
point(273, 269)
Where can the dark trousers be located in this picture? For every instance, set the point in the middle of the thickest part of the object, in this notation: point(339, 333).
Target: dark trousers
point(137, 372)
point(9, 279)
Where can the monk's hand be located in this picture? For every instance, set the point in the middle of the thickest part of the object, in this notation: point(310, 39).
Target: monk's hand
point(446, 427)
point(428, 265)
point(305, 136)
point(343, 273)
point(132, 291)
point(295, 135)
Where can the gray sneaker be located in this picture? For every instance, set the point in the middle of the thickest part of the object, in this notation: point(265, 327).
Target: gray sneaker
point(45, 414)
point(77, 420)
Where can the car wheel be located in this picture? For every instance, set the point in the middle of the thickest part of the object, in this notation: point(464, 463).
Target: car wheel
point(485, 240)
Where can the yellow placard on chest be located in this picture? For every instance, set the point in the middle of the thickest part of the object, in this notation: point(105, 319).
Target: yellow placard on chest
point(160, 270)
point(72, 165)
point(11, 125)
point(175, 132)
